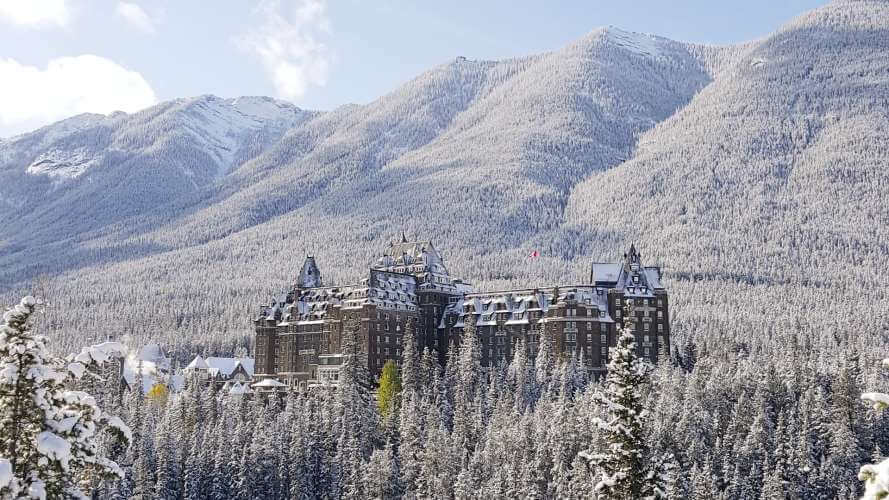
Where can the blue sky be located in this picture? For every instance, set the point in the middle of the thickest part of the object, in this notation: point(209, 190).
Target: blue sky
point(62, 57)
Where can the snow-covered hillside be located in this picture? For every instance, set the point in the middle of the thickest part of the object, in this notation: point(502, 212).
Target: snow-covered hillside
point(754, 163)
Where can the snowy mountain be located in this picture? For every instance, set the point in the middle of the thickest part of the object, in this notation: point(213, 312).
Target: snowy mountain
point(751, 164)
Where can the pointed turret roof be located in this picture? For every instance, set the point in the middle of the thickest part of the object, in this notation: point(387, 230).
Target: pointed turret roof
point(197, 363)
point(309, 275)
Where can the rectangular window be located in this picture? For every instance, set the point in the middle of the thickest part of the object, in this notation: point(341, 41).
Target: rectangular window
point(603, 350)
point(645, 326)
point(646, 338)
point(387, 339)
point(603, 339)
point(660, 303)
point(660, 314)
point(647, 352)
point(603, 327)
point(660, 327)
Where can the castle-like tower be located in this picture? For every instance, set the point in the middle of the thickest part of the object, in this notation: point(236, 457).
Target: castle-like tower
point(299, 335)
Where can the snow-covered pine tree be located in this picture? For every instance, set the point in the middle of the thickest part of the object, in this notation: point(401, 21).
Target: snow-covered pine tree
point(359, 420)
point(544, 361)
point(411, 370)
point(467, 375)
point(876, 475)
point(381, 475)
point(624, 469)
point(521, 378)
point(50, 436)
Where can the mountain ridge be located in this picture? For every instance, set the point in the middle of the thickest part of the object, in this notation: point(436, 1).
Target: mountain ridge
point(712, 159)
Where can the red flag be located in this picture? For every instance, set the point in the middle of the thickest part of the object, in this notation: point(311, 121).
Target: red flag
point(535, 253)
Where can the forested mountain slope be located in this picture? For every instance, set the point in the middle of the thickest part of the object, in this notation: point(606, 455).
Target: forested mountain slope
point(89, 171)
point(777, 169)
point(756, 167)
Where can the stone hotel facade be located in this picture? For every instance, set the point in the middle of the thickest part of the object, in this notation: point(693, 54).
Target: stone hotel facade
point(299, 335)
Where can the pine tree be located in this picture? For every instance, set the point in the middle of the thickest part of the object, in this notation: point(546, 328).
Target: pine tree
point(623, 471)
point(467, 375)
point(521, 378)
point(359, 421)
point(50, 436)
point(411, 369)
point(381, 475)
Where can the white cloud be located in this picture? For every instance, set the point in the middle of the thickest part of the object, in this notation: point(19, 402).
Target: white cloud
point(136, 16)
point(31, 97)
point(289, 44)
point(35, 12)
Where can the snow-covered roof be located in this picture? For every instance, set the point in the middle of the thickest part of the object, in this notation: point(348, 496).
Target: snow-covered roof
point(197, 363)
point(309, 275)
point(484, 307)
point(605, 274)
point(412, 257)
point(238, 389)
point(269, 383)
point(227, 366)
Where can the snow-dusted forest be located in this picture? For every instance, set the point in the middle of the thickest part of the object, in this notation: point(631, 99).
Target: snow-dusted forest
point(755, 174)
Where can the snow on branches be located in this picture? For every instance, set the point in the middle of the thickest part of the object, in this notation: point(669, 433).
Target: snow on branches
point(50, 435)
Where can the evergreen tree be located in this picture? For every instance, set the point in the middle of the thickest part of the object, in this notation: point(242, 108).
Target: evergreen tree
point(50, 442)
point(358, 434)
point(622, 470)
point(411, 363)
point(381, 475)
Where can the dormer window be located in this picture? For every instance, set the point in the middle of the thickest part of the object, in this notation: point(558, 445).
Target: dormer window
point(635, 278)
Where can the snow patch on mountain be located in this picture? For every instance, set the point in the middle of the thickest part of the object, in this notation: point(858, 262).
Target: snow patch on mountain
point(63, 164)
point(638, 43)
point(221, 126)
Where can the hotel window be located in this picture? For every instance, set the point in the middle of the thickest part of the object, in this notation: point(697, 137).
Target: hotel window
point(603, 338)
point(618, 313)
point(603, 327)
point(387, 339)
point(660, 327)
point(646, 338)
point(660, 314)
point(660, 303)
point(647, 352)
point(603, 350)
